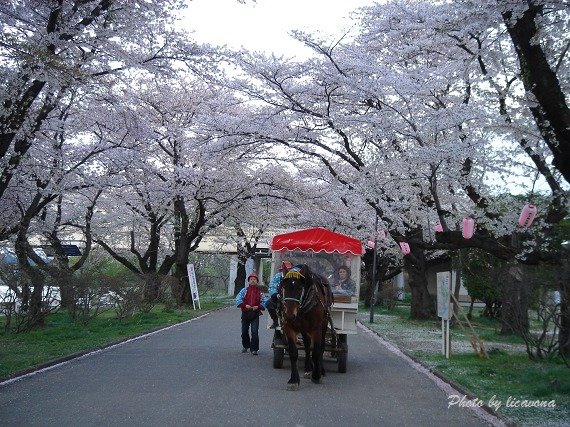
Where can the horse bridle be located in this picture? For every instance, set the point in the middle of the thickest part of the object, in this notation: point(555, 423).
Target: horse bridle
point(298, 300)
point(296, 275)
point(305, 301)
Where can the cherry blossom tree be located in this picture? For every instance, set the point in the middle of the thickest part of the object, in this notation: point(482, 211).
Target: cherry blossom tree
point(517, 71)
point(182, 180)
point(404, 116)
point(59, 61)
point(53, 52)
point(55, 193)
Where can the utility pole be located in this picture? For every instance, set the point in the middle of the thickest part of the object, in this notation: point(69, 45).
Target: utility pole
point(373, 296)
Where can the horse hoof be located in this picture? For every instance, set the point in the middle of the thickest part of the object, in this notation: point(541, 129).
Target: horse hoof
point(293, 387)
point(307, 374)
point(317, 381)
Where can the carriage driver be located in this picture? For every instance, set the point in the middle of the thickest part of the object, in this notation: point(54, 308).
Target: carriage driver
point(273, 303)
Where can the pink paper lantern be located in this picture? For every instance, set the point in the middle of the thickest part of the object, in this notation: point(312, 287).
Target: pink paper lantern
point(438, 228)
point(527, 215)
point(372, 241)
point(405, 247)
point(468, 227)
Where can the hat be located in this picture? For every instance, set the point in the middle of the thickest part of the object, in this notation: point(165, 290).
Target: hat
point(252, 275)
point(285, 265)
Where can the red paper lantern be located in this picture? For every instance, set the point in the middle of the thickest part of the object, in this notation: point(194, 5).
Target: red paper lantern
point(527, 215)
point(468, 227)
point(438, 228)
point(405, 247)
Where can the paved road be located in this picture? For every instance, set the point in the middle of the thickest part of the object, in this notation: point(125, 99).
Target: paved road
point(195, 374)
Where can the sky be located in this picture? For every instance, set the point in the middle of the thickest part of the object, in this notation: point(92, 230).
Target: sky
point(263, 25)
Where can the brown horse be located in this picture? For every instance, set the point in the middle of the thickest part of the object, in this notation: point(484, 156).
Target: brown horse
point(305, 301)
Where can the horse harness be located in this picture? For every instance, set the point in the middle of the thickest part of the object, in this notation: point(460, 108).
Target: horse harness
point(308, 300)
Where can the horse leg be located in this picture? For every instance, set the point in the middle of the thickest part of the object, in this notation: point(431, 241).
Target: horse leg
point(317, 357)
point(293, 383)
point(308, 360)
point(323, 344)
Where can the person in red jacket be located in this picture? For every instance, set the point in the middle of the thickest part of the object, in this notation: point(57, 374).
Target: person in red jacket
point(252, 302)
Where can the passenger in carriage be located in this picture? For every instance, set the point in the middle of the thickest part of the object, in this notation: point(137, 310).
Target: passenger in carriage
point(252, 302)
point(344, 284)
point(273, 302)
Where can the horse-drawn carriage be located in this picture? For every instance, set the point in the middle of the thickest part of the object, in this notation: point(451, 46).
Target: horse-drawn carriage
point(335, 258)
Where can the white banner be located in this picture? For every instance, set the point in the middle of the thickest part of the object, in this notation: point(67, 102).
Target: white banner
point(193, 286)
point(443, 281)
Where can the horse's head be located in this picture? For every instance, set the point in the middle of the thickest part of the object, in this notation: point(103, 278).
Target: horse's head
point(293, 289)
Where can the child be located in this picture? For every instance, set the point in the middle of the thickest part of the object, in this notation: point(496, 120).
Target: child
point(252, 302)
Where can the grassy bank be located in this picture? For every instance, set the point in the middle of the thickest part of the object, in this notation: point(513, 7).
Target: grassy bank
point(507, 380)
point(61, 337)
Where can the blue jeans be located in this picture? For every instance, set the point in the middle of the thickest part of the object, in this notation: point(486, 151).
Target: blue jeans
point(250, 319)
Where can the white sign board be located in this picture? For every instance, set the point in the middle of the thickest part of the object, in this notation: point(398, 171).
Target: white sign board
point(193, 286)
point(443, 281)
point(443, 294)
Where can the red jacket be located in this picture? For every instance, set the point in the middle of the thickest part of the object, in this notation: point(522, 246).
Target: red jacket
point(253, 297)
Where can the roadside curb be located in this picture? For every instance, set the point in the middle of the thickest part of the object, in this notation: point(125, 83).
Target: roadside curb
point(67, 358)
point(502, 421)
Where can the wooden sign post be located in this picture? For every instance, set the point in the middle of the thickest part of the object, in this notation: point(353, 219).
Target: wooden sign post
point(193, 286)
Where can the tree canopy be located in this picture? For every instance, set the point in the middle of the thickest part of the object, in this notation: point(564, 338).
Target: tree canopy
point(115, 124)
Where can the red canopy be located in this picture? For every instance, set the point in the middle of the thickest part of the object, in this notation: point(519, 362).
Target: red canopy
point(317, 240)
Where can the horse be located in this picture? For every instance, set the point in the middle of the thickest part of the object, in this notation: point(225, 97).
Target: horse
point(306, 298)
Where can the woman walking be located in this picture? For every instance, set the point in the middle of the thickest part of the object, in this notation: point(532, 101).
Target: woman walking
point(252, 302)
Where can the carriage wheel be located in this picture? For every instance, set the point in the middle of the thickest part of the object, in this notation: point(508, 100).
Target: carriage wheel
point(278, 354)
point(342, 355)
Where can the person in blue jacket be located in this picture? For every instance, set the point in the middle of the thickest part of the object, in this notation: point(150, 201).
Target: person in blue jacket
point(252, 302)
point(273, 302)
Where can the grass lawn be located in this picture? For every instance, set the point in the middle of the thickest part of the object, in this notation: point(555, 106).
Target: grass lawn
point(61, 337)
point(507, 377)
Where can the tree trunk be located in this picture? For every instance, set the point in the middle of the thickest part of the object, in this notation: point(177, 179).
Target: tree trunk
point(550, 112)
point(458, 267)
point(182, 241)
point(181, 289)
point(30, 276)
point(36, 310)
point(239, 281)
point(182, 292)
point(152, 287)
point(422, 304)
point(66, 290)
point(32, 301)
point(516, 293)
point(367, 259)
point(470, 314)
